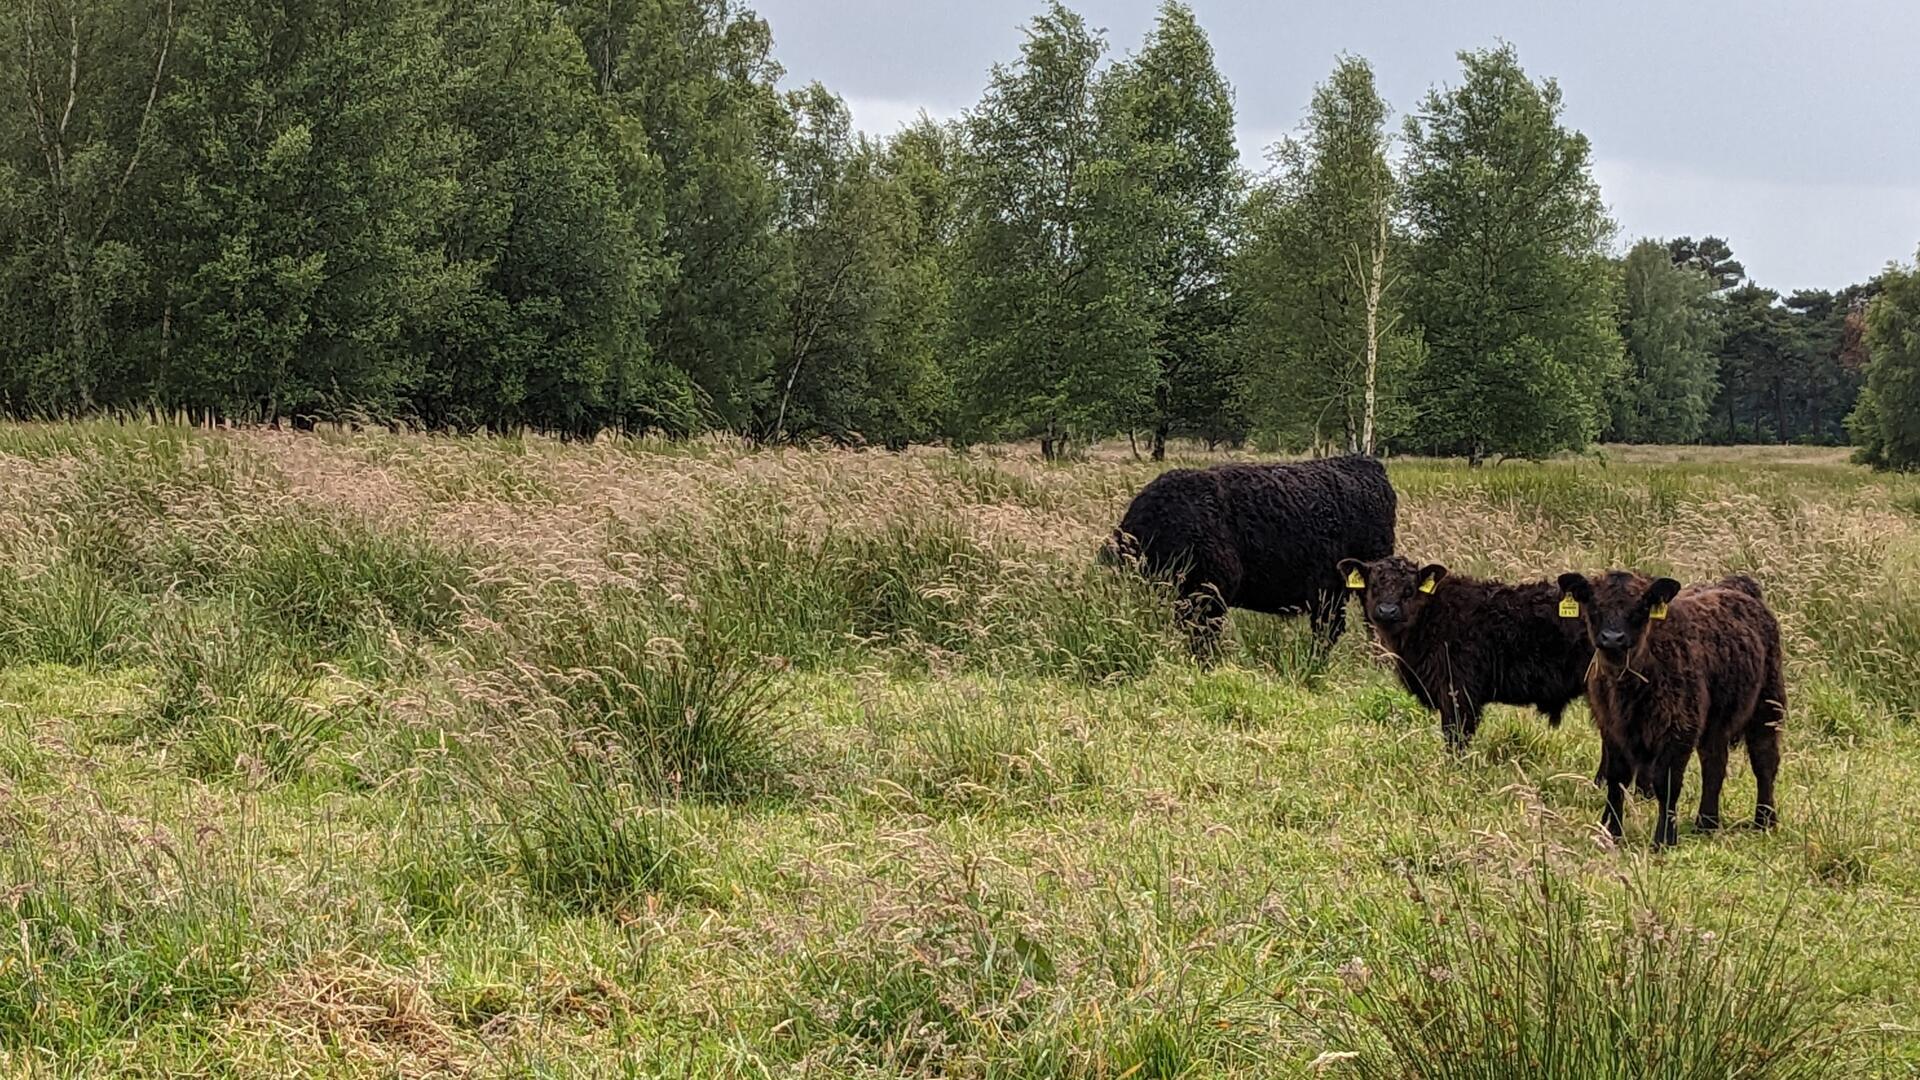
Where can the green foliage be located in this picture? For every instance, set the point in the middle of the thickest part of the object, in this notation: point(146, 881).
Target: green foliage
point(1508, 279)
point(1053, 303)
point(1307, 268)
point(576, 827)
point(1710, 257)
point(1791, 369)
point(227, 704)
point(1171, 117)
point(1670, 324)
point(695, 80)
point(869, 299)
point(1887, 424)
point(67, 614)
point(578, 218)
point(670, 714)
point(311, 165)
point(555, 254)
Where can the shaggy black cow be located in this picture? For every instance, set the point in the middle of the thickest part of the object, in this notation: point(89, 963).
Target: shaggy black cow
point(1265, 538)
point(1460, 644)
point(1675, 672)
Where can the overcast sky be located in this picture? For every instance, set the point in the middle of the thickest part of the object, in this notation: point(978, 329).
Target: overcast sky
point(1792, 129)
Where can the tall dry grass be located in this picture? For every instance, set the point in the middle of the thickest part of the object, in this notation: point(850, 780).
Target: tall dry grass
point(581, 672)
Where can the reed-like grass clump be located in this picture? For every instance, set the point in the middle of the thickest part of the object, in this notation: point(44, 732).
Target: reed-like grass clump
point(1538, 981)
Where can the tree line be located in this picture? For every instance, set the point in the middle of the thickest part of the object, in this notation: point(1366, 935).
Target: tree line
point(571, 217)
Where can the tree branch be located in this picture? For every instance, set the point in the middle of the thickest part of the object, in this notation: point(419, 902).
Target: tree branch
point(73, 72)
point(140, 132)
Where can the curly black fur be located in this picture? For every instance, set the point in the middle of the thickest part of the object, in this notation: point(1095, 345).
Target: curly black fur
point(1463, 644)
point(1265, 538)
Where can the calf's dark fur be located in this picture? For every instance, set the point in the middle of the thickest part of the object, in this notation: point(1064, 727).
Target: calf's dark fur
point(1678, 672)
point(1459, 643)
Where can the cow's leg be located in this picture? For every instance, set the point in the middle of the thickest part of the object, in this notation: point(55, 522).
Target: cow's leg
point(1669, 775)
point(1459, 718)
point(1713, 773)
point(1763, 750)
point(1204, 615)
point(1617, 769)
point(1329, 618)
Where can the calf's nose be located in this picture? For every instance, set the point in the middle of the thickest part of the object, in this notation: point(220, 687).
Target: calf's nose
point(1613, 639)
point(1386, 612)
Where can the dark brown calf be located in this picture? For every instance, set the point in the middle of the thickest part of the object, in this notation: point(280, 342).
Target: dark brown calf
point(1677, 672)
point(1460, 644)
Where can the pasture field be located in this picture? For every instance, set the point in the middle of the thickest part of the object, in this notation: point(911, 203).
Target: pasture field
point(368, 755)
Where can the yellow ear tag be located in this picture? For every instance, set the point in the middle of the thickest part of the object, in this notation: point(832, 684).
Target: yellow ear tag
point(1659, 612)
point(1355, 581)
point(1569, 608)
point(1428, 585)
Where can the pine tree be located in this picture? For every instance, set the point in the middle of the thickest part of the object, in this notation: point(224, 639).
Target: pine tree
point(1710, 256)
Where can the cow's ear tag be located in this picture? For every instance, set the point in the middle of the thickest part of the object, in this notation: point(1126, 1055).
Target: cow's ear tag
point(1427, 585)
point(1569, 608)
point(1355, 581)
point(1659, 611)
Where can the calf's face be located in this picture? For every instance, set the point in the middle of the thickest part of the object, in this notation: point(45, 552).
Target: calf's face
point(1618, 609)
point(1393, 591)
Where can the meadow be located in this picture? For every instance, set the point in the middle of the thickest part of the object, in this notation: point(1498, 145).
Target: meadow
point(354, 754)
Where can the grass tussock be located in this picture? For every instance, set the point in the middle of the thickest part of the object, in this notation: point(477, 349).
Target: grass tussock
point(679, 710)
point(985, 754)
point(578, 831)
point(340, 588)
point(67, 614)
point(1541, 982)
point(228, 704)
point(119, 924)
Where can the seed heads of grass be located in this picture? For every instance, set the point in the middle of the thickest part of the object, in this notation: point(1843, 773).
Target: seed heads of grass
point(1541, 983)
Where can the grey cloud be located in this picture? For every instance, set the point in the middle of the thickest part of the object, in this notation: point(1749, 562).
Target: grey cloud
point(1788, 127)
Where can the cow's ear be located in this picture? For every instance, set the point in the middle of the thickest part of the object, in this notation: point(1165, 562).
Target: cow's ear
point(1431, 576)
point(1661, 593)
point(1576, 586)
point(1354, 573)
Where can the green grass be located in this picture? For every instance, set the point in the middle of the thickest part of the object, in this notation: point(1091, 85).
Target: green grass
point(364, 755)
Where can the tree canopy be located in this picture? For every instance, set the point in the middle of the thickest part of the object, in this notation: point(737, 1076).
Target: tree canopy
point(575, 218)
point(1509, 279)
point(1886, 424)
